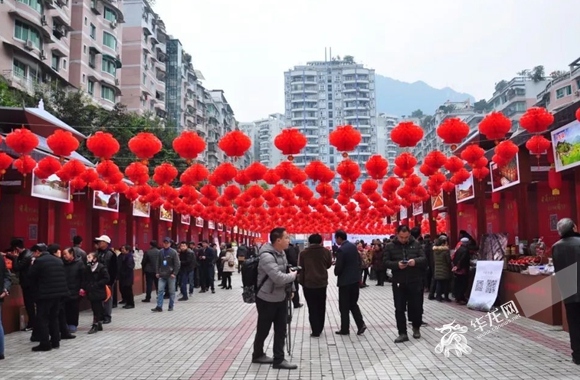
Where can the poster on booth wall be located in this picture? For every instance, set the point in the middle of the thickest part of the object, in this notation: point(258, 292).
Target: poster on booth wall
point(417, 209)
point(199, 222)
point(506, 176)
point(566, 146)
point(220, 227)
point(465, 191)
point(485, 285)
point(437, 201)
point(211, 224)
point(142, 210)
point(166, 215)
point(107, 202)
point(51, 188)
point(403, 212)
point(235, 229)
point(186, 219)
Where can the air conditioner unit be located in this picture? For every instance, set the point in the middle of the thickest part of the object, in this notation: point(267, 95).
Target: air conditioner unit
point(117, 81)
point(29, 45)
point(42, 55)
point(577, 93)
point(114, 24)
point(43, 20)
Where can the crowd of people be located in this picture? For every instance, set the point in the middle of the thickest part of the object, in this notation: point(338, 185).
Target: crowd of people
point(54, 280)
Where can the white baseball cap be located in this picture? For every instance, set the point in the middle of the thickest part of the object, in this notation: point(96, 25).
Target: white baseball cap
point(104, 238)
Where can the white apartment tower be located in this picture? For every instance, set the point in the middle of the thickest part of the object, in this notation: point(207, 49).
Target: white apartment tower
point(324, 94)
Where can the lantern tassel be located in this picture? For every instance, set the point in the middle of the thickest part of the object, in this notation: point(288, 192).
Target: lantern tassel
point(555, 192)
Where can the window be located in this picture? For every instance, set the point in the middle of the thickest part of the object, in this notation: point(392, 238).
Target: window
point(330, 115)
point(108, 93)
point(109, 66)
point(93, 32)
point(110, 14)
point(25, 32)
point(144, 57)
point(92, 58)
point(564, 91)
point(329, 96)
point(329, 105)
point(84, 78)
point(109, 40)
point(144, 78)
point(34, 4)
point(578, 84)
point(330, 87)
point(91, 87)
point(84, 49)
point(19, 69)
point(86, 21)
point(64, 64)
point(55, 62)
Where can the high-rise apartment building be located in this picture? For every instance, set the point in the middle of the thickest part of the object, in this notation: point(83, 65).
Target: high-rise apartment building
point(263, 132)
point(562, 90)
point(74, 43)
point(385, 146)
point(324, 94)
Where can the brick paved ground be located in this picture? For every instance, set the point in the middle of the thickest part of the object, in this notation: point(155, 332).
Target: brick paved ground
point(210, 337)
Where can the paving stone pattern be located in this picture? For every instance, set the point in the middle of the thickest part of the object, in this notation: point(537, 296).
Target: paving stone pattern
point(210, 337)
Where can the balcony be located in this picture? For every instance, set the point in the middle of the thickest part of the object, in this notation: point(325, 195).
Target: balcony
point(304, 98)
point(28, 14)
point(26, 84)
point(307, 90)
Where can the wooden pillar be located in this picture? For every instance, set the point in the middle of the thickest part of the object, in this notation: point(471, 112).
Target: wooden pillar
point(432, 221)
point(130, 220)
point(154, 219)
point(480, 207)
point(43, 221)
point(523, 198)
point(451, 205)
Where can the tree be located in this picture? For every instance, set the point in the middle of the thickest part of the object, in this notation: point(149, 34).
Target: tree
point(348, 59)
point(481, 106)
point(537, 74)
point(417, 113)
point(524, 73)
point(499, 86)
point(447, 108)
point(426, 121)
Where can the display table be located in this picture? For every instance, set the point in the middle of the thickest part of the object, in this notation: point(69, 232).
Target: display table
point(512, 283)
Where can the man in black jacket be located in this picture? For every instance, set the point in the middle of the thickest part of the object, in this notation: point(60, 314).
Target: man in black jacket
point(5, 284)
point(149, 265)
point(108, 258)
point(48, 277)
point(406, 259)
point(292, 256)
point(206, 260)
point(347, 268)
point(22, 260)
point(565, 254)
point(188, 261)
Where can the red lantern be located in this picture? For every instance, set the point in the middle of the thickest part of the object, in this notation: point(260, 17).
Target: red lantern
point(235, 144)
point(480, 173)
point(226, 172)
point(460, 176)
point(448, 187)
point(406, 134)
point(188, 145)
point(472, 153)
point(578, 114)
point(345, 139)
point(454, 164)
point(62, 143)
point(145, 145)
point(47, 167)
point(69, 209)
point(435, 159)
point(538, 144)
point(256, 171)
point(103, 145)
point(25, 165)
point(318, 171)
point(348, 170)
point(290, 141)
point(507, 150)
point(72, 169)
point(369, 187)
point(5, 162)
point(554, 181)
point(22, 141)
point(536, 120)
point(242, 178)
point(453, 131)
point(377, 166)
point(164, 174)
point(271, 177)
point(138, 173)
point(496, 199)
point(495, 126)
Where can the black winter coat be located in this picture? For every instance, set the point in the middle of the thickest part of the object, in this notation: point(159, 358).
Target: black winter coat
point(347, 266)
point(21, 266)
point(94, 283)
point(5, 279)
point(566, 252)
point(126, 269)
point(150, 260)
point(48, 277)
point(396, 252)
point(74, 271)
point(109, 259)
point(188, 261)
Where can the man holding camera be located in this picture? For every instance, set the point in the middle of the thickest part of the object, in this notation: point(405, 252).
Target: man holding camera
point(274, 289)
point(406, 259)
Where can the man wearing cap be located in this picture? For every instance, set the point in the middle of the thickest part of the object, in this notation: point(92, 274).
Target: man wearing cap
point(167, 270)
point(108, 258)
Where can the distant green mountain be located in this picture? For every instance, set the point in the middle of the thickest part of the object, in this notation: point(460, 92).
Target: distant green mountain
point(401, 98)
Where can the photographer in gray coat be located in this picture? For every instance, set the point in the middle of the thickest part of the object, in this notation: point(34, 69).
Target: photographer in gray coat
point(275, 286)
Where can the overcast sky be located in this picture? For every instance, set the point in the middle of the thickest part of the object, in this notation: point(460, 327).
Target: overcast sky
point(244, 46)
